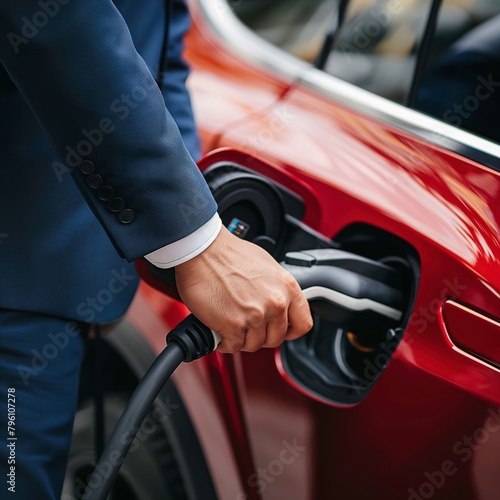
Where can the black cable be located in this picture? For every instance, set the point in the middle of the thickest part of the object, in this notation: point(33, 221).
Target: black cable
point(114, 454)
point(188, 341)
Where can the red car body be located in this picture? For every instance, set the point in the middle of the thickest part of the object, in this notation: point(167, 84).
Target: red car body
point(430, 426)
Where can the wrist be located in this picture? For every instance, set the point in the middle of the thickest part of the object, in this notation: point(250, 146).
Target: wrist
point(211, 254)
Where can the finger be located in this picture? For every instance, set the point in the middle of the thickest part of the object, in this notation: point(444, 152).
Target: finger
point(231, 343)
point(276, 331)
point(254, 339)
point(299, 318)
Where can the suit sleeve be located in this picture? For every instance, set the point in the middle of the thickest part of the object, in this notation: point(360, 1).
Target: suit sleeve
point(76, 65)
point(173, 82)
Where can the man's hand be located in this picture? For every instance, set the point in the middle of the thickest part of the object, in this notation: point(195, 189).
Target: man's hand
point(240, 291)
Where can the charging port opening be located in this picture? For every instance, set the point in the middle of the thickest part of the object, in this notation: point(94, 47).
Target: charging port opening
point(340, 360)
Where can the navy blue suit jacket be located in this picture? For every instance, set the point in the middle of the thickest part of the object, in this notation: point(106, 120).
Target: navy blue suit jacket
point(82, 74)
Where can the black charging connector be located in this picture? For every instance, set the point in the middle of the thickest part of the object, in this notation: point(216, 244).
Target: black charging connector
point(188, 341)
point(194, 338)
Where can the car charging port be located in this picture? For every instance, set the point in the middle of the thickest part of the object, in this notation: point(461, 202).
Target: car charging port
point(358, 305)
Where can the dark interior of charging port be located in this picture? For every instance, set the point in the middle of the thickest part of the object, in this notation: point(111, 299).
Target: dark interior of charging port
point(341, 359)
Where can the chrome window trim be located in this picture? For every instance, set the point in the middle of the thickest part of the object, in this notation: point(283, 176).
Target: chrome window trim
point(253, 49)
point(244, 43)
point(415, 122)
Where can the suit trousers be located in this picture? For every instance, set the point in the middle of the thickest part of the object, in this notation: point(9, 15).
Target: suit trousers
point(40, 358)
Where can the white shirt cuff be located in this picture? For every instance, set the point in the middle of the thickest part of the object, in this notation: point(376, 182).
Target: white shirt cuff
point(186, 248)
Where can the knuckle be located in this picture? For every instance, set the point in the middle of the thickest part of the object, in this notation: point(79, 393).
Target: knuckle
point(256, 317)
point(232, 346)
point(279, 303)
point(239, 325)
point(290, 282)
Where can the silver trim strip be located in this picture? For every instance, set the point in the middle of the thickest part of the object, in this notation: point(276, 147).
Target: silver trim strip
point(248, 46)
point(244, 43)
point(423, 126)
point(352, 303)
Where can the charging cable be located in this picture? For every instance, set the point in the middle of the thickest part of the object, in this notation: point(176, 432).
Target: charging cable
point(188, 341)
point(361, 293)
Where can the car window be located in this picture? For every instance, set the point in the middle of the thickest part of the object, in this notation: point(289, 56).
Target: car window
point(461, 82)
point(296, 26)
point(377, 43)
point(376, 49)
point(377, 46)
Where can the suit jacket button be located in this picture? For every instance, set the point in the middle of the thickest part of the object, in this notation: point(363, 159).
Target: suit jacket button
point(86, 167)
point(105, 193)
point(126, 216)
point(116, 204)
point(94, 181)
